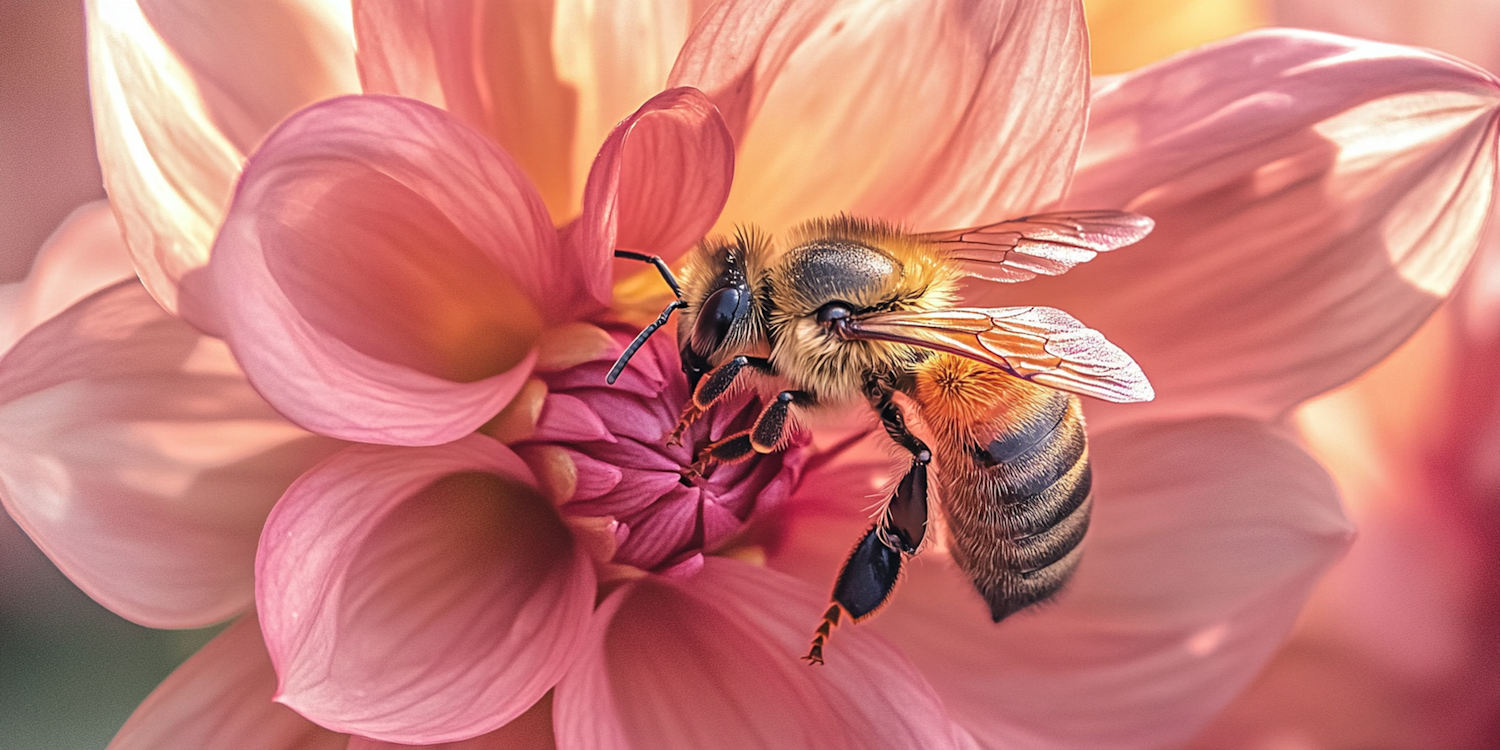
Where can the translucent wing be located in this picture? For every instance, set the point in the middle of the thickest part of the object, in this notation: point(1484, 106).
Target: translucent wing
point(1045, 244)
point(1040, 344)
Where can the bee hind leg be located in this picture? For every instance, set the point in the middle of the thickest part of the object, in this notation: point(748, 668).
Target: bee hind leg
point(905, 517)
point(863, 586)
point(869, 575)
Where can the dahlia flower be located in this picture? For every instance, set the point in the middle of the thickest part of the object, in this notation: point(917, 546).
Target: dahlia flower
point(459, 534)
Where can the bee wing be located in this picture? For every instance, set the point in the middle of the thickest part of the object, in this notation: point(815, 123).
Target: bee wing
point(1040, 344)
point(1044, 244)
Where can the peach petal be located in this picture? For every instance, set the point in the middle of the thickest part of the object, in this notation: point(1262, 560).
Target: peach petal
point(711, 660)
point(420, 595)
point(84, 254)
point(547, 81)
point(180, 93)
point(384, 271)
point(140, 460)
point(1207, 537)
point(221, 697)
point(1315, 199)
point(165, 162)
point(657, 185)
point(254, 62)
point(965, 114)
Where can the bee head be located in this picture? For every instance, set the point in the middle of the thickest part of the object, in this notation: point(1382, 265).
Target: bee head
point(721, 316)
point(726, 307)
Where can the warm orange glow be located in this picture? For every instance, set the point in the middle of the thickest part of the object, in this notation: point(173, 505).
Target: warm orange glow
point(1126, 34)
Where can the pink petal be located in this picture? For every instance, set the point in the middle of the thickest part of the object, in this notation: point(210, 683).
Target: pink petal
point(568, 418)
point(938, 115)
point(547, 81)
point(1315, 199)
point(384, 272)
point(221, 697)
point(711, 660)
point(85, 254)
point(139, 459)
point(531, 731)
point(658, 184)
point(420, 595)
point(1206, 538)
point(180, 92)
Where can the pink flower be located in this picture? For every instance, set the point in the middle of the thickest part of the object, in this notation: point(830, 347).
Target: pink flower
point(387, 274)
point(1397, 647)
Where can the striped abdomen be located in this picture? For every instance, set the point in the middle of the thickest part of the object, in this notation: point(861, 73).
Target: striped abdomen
point(1013, 473)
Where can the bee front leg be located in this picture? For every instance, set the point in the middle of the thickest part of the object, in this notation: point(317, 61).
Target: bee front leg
point(717, 383)
point(766, 436)
point(770, 427)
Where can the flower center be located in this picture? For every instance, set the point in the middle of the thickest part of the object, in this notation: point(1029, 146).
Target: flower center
point(631, 484)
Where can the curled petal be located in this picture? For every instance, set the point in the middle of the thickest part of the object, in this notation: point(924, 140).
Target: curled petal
point(221, 697)
point(385, 270)
point(1206, 538)
point(139, 459)
point(1315, 198)
point(658, 184)
point(710, 660)
point(181, 91)
point(420, 595)
point(547, 81)
point(85, 254)
point(935, 114)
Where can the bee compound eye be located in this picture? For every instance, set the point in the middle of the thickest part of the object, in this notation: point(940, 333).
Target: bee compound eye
point(716, 317)
point(833, 311)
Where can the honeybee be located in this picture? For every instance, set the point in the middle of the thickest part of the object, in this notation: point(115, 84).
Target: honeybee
point(849, 310)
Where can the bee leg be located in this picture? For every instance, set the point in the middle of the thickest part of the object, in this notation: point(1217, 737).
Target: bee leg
point(715, 385)
point(820, 636)
point(905, 518)
point(764, 437)
point(869, 575)
point(736, 447)
point(864, 584)
point(770, 426)
point(690, 414)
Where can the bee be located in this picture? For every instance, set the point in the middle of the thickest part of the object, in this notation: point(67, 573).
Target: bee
point(848, 310)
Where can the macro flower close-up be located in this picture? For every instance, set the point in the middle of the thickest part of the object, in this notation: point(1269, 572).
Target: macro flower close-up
point(333, 363)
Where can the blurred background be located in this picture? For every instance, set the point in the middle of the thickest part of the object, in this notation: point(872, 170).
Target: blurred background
point(1398, 650)
point(70, 671)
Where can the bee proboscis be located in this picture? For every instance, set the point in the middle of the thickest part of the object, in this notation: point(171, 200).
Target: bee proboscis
point(850, 310)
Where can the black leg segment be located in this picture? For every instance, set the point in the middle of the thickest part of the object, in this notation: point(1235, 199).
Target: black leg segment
point(770, 426)
point(904, 523)
point(868, 576)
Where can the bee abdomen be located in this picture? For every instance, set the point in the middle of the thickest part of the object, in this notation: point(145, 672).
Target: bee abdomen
point(1018, 508)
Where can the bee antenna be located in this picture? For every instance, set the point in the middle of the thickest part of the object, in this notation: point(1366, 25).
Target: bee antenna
point(661, 320)
point(640, 340)
point(661, 265)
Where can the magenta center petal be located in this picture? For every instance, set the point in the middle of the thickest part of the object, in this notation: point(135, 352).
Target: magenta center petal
point(630, 474)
